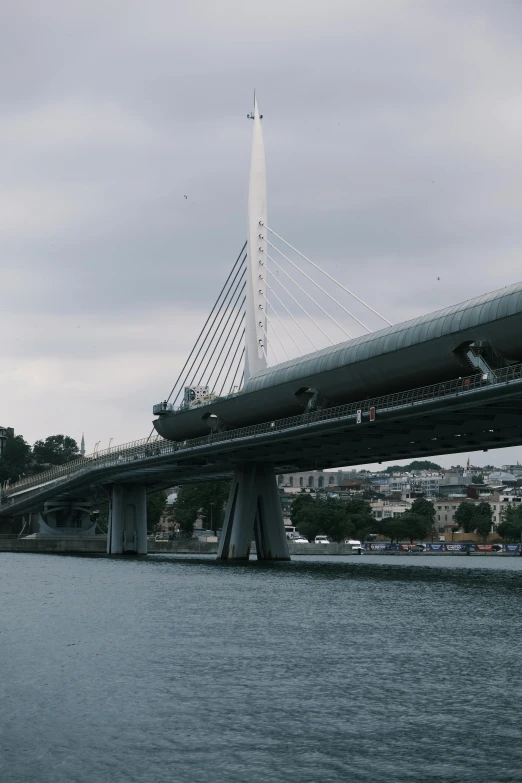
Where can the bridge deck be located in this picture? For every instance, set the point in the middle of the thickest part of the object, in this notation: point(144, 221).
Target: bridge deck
point(476, 412)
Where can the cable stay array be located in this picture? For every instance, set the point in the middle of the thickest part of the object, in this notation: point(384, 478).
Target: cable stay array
point(215, 364)
point(307, 308)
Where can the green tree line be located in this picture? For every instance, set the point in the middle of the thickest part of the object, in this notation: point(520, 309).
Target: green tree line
point(474, 518)
point(203, 502)
point(340, 519)
point(20, 459)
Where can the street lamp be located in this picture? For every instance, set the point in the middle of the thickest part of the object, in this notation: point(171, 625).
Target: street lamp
point(110, 441)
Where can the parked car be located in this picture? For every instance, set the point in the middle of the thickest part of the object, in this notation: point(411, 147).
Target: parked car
point(300, 540)
point(322, 540)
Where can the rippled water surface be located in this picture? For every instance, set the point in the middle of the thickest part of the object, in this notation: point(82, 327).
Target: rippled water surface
point(335, 669)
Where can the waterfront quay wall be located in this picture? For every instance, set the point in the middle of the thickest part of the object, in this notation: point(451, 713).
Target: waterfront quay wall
point(97, 545)
point(181, 547)
point(92, 545)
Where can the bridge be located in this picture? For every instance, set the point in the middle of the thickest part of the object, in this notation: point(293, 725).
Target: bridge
point(444, 383)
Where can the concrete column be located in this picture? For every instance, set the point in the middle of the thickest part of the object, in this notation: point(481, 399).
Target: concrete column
point(127, 532)
point(253, 511)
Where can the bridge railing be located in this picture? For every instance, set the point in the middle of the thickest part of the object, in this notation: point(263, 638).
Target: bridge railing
point(423, 394)
point(156, 446)
point(95, 459)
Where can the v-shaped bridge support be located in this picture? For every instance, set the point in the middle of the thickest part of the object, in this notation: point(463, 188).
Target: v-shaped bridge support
point(253, 512)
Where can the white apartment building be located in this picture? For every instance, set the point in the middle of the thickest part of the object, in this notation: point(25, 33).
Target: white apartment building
point(384, 510)
point(445, 508)
point(428, 483)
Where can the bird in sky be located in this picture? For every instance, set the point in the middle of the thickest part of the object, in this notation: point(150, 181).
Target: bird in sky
point(185, 196)
point(438, 278)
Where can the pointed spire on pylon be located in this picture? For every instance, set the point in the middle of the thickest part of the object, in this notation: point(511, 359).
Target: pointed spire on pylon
point(82, 446)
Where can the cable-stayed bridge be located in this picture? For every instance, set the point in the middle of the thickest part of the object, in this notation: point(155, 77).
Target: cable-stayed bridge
point(293, 371)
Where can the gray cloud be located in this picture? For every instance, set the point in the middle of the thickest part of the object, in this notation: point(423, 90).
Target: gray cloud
point(393, 150)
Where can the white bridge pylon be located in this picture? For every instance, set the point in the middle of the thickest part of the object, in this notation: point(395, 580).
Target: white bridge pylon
point(256, 357)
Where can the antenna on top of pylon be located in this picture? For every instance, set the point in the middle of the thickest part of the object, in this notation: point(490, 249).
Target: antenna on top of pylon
point(252, 115)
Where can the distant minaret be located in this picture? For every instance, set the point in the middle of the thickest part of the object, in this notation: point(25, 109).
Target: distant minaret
point(82, 446)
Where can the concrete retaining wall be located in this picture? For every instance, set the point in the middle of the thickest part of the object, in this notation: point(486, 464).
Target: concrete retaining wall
point(183, 547)
point(98, 545)
point(320, 549)
point(92, 545)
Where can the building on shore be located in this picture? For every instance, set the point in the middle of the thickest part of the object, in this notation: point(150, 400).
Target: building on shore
point(314, 479)
point(445, 508)
point(385, 509)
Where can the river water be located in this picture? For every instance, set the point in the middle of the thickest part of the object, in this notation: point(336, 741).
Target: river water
point(182, 669)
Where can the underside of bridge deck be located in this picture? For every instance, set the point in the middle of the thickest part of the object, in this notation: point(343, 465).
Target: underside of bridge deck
point(485, 422)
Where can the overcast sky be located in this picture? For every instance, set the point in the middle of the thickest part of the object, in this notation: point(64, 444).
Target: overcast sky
point(393, 133)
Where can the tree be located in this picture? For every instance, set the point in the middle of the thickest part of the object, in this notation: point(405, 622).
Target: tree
point(306, 520)
point(464, 516)
point(15, 459)
point(484, 509)
point(482, 524)
point(477, 479)
point(359, 513)
point(155, 507)
point(55, 450)
point(205, 501)
point(338, 519)
point(419, 464)
point(511, 526)
point(425, 509)
point(415, 526)
point(393, 528)
point(300, 502)
point(482, 520)
point(213, 496)
point(335, 521)
point(415, 465)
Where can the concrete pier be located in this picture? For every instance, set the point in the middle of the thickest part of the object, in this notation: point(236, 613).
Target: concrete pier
point(127, 531)
point(253, 513)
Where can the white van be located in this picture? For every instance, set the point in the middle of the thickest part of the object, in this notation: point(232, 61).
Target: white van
point(354, 545)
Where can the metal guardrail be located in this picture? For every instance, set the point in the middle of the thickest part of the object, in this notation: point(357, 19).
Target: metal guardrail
point(150, 447)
